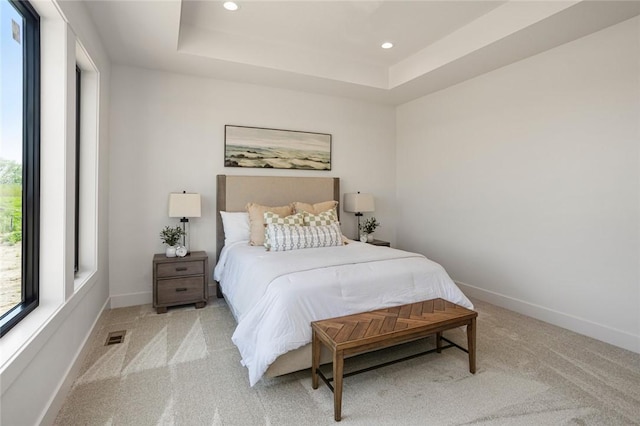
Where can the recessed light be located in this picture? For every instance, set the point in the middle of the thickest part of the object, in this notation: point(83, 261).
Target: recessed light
point(230, 5)
point(386, 45)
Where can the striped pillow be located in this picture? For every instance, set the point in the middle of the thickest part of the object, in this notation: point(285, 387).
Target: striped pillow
point(274, 218)
point(287, 237)
point(324, 218)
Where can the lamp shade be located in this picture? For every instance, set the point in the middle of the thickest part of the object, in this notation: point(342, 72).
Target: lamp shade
point(358, 203)
point(184, 205)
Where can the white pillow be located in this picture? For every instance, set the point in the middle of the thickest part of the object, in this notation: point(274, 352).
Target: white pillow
point(236, 227)
point(294, 237)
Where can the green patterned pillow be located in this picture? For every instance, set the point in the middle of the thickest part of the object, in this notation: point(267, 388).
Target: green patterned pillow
point(285, 237)
point(321, 219)
point(275, 219)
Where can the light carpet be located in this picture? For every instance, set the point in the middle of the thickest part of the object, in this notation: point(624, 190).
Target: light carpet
point(181, 368)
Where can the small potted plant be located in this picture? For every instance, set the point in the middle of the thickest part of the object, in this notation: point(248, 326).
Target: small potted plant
point(368, 227)
point(171, 236)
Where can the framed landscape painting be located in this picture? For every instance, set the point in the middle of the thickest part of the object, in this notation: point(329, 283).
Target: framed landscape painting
point(276, 149)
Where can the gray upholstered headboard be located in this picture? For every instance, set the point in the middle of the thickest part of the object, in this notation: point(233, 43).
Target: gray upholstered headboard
point(234, 192)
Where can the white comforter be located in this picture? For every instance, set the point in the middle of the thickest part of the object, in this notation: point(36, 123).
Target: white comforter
point(275, 295)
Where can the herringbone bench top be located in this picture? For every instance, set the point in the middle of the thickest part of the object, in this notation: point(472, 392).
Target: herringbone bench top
point(364, 328)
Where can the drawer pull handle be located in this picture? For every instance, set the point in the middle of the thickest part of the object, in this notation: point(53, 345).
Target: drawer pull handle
point(181, 289)
point(184, 268)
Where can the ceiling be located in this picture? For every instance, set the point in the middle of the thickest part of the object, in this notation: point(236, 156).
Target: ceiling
point(333, 47)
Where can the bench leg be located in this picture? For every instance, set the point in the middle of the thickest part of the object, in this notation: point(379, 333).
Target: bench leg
point(471, 344)
point(338, 364)
point(439, 342)
point(315, 359)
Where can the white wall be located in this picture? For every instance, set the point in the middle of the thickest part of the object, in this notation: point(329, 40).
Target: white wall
point(167, 135)
point(39, 355)
point(524, 183)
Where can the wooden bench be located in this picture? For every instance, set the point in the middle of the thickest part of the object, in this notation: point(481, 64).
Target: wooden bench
point(364, 332)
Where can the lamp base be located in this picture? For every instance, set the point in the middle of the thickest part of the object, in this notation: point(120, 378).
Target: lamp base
point(185, 237)
point(358, 216)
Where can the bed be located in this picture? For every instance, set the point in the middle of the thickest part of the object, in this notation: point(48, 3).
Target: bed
point(274, 295)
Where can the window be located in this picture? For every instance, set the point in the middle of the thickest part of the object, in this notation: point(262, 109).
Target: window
point(76, 231)
point(86, 162)
point(19, 161)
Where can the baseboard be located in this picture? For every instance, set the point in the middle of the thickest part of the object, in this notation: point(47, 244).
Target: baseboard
point(131, 299)
point(583, 326)
point(142, 298)
point(213, 290)
point(60, 395)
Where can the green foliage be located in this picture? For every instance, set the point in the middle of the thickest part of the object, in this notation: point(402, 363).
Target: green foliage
point(10, 213)
point(10, 201)
point(369, 225)
point(11, 190)
point(12, 237)
point(10, 172)
point(171, 236)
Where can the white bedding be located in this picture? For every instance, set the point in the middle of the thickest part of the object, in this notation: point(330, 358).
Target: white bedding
point(275, 295)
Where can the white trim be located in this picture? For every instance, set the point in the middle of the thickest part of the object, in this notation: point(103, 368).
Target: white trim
point(131, 299)
point(89, 165)
point(143, 298)
point(583, 326)
point(39, 327)
point(212, 290)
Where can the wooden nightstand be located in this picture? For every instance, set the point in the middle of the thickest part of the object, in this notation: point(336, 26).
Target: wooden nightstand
point(380, 243)
point(180, 280)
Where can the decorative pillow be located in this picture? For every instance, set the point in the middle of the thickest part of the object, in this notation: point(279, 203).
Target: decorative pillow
point(236, 226)
point(314, 208)
point(324, 218)
point(286, 237)
point(256, 219)
point(275, 219)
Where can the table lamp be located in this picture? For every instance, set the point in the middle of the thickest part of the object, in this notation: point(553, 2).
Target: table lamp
point(184, 206)
point(358, 203)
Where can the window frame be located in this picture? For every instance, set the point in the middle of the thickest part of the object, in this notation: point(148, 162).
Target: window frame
point(30, 169)
point(76, 235)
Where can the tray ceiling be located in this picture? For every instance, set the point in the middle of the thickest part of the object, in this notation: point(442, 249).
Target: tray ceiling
point(333, 47)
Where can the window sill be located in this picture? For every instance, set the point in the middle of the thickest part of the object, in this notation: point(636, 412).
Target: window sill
point(18, 339)
point(23, 342)
point(81, 278)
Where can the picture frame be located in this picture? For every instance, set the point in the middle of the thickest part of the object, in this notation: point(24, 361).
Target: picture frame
point(258, 147)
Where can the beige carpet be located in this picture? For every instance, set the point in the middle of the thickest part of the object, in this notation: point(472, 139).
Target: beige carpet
point(181, 368)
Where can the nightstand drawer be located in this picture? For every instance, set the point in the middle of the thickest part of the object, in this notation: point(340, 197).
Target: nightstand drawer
point(180, 290)
point(168, 270)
